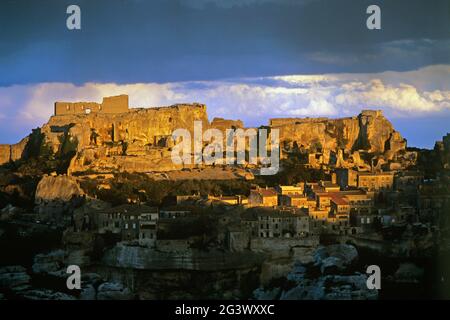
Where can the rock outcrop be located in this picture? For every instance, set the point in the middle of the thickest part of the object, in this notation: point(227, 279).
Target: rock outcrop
point(56, 197)
point(13, 152)
point(369, 131)
point(14, 278)
point(335, 258)
point(327, 277)
point(57, 188)
point(140, 139)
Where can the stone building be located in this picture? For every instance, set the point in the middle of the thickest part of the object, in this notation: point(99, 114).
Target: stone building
point(408, 181)
point(132, 222)
point(265, 197)
point(340, 207)
point(290, 190)
point(282, 223)
point(346, 178)
point(116, 104)
point(298, 201)
point(232, 200)
point(376, 180)
point(292, 196)
point(174, 213)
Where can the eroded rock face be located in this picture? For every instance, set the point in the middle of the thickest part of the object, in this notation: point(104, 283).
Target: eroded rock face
point(13, 152)
point(369, 131)
point(48, 263)
point(335, 258)
point(14, 278)
point(408, 272)
point(145, 127)
point(57, 188)
point(46, 294)
point(113, 291)
point(56, 197)
point(313, 281)
point(140, 140)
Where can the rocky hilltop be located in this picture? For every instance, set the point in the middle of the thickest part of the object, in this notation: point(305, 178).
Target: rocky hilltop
point(111, 136)
point(369, 131)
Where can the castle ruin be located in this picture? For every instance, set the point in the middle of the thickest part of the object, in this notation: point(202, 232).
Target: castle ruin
point(115, 104)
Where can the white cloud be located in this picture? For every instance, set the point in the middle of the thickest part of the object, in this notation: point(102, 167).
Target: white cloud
point(416, 93)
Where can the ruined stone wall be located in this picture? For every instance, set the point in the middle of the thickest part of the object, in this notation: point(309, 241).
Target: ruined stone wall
point(138, 126)
point(224, 124)
point(286, 121)
point(116, 104)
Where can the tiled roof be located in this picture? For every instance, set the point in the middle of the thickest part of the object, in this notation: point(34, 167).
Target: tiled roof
point(269, 192)
point(339, 200)
point(131, 209)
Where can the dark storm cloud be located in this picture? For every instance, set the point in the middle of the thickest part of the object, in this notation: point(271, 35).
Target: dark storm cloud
point(131, 41)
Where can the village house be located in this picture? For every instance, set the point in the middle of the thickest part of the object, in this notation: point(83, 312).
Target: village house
point(322, 186)
point(433, 201)
point(333, 209)
point(290, 190)
point(408, 181)
point(264, 197)
point(282, 223)
point(375, 181)
point(298, 201)
point(291, 196)
point(318, 214)
point(174, 212)
point(276, 222)
point(360, 201)
point(346, 177)
point(233, 200)
point(340, 206)
point(328, 186)
point(131, 222)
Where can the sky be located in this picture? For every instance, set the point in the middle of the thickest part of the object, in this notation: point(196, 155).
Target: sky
point(245, 59)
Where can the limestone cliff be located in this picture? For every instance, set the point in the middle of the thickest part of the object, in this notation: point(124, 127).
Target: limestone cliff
point(140, 139)
point(369, 131)
point(57, 188)
point(13, 152)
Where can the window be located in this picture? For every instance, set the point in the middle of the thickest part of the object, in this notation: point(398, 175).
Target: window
point(134, 225)
point(126, 225)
